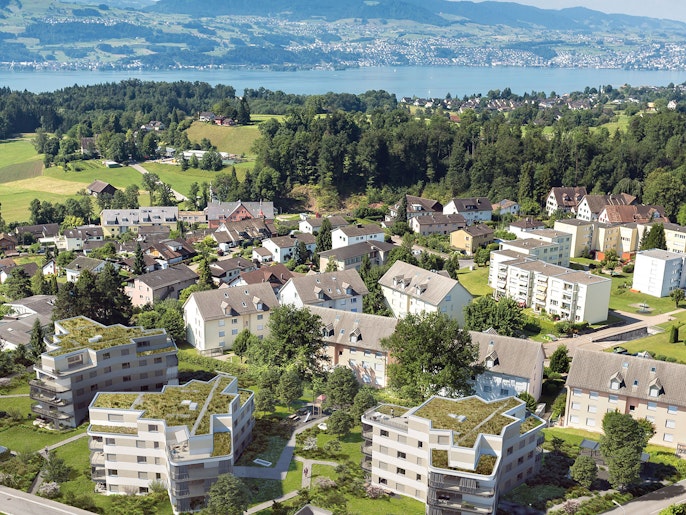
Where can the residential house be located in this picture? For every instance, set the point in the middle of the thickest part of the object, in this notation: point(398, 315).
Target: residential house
point(214, 318)
point(564, 199)
point(233, 234)
point(153, 125)
point(633, 213)
point(313, 225)
point(206, 116)
point(29, 269)
point(474, 210)
point(437, 224)
point(226, 270)
point(17, 326)
point(416, 206)
point(471, 238)
point(343, 290)
point(658, 272)
point(560, 255)
point(583, 235)
point(591, 206)
point(350, 257)
point(353, 340)
point(283, 248)
point(81, 263)
point(675, 237)
point(183, 437)
point(351, 234)
point(506, 207)
point(220, 212)
point(98, 188)
point(88, 146)
point(411, 289)
point(49, 267)
point(599, 382)
point(511, 366)
point(193, 217)
point(74, 239)
point(153, 233)
point(262, 255)
point(170, 252)
point(8, 243)
point(159, 285)
point(116, 222)
point(42, 232)
point(455, 455)
point(275, 275)
point(519, 227)
point(86, 357)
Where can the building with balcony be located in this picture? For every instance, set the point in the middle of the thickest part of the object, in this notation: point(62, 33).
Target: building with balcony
point(183, 437)
point(455, 455)
point(86, 357)
point(658, 272)
point(115, 222)
point(416, 206)
point(351, 257)
point(474, 209)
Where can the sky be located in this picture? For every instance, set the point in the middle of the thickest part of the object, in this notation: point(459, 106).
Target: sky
point(669, 9)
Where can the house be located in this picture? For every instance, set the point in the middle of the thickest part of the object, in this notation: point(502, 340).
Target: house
point(98, 188)
point(283, 248)
point(183, 437)
point(29, 269)
point(519, 227)
point(444, 454)
point(220, 212)
point(564, 199)
point(226, 270)
point(81, 263)
point(511, 366)
point(561, 292)
point(262, 255)
point(170, 252)
point(343, 290)
point(153, 233)
point(214, 318)
point(42, 232)
point(149, 264)
point(206, 116)
point(474, 210)
point(599, 382)
point(85, 357)
point(74, 239)
point(411, 289)
point(153, 125)
point(49, 267)
point(351, 234)
point(275, 275)
point(159, 285)
point(116, 222)
point(416, 206)
point(312, 225)
point(591, 206)
point(658, 272)
point(437, 224)
point(506, 207)
point(633, 213)
point(17, 326)
point(193, 217)
point(353, 340)
point(8, 243)
point(350, 257)
point(471, 238)
point(233, 234)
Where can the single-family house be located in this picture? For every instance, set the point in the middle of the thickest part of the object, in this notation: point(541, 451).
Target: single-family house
point(159, 285)
point(81, 263)
point(226, 270)
point(220, 212)
point(312, 225)
point(351, 234)
point(416, 206)
point(506, 207)
point(262, 255)
point(98, 188)
point(474, 210)
point(74, 239)
point(338, 290)
point(276, 275)
point(8, 243)
point(283, 248)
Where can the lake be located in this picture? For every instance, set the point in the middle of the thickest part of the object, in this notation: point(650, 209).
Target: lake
point(421, 81)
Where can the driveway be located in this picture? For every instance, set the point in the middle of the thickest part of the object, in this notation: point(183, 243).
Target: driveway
point(654, 502)
point(143, 171)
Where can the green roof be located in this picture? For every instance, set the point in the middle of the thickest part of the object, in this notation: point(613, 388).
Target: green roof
point(467, 417)
point(85, 333)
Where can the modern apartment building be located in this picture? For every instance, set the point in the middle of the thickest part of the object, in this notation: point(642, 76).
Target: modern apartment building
point(86, 357)
point(599, 382)
point(343, 290)
point(545, 251)
point(455, 455)
point(675, 237)
point(658, 272)
point(183, 437)
point(570, 294)
point(214, 318)
point(411, 289)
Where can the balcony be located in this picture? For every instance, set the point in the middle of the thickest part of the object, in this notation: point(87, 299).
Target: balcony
point(38, 394)
point(52, 388)
point(184, 492)
point(95, 445)
point(452, 484)
point(366, 449)
point(50, 413)
point(366, 464)
point(367, 435)
point(97, 458)
point(458, 504)
point(98, 475)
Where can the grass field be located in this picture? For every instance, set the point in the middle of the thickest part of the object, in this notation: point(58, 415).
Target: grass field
point(624, 299)
point(476, 281)
point(18, 161)
point(235, 140)
point(658, 344)
point(179, 180)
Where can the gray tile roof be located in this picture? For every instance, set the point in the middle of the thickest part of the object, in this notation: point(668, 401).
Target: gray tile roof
point(332, 285)
point(235, 301)
point(360, 230)
point(515, 356)
point(568, 197)
point(417, 282)
point(166, 277)
point(358, 249)
point(472, 204)
point(593, 370)
point(336, 221)
point(284, 242)
point(367, 331)
point(41, 304)
point(478, 230)
point(215, 209)
point(84, 263)
point(439, 218)
point(223, 266)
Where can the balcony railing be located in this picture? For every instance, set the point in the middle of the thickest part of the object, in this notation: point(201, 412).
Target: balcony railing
point(459, 504)
point(60, 415)
point(452, 486)
point(48, 387)
point(48, 397)
point(366, 464)
point(367, 435)
point(95, 445)
point(366, 449)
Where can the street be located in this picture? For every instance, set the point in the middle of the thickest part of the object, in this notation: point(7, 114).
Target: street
point(16, 502)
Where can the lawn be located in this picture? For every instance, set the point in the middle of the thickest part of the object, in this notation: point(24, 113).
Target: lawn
point(234, 140)
point(93, 169)
point(181, 181)
point(476, 281)
point(658, 344)
point(24, 438)
point(623, 299)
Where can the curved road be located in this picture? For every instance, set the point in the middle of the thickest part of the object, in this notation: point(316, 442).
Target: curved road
point(143, 171)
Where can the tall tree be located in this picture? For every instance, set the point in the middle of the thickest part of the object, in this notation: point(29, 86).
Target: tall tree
point(504, 315)
point(559, 361)
point(341, 388)
point(150, 181)
point(290, 387)
point(324, 236)
point(227, 496)
point(401, 215)
point(655, 238)
point(36, 342)
point(18, 284)
point(622, 444)
point(138, 260)
point(39, 284)
point(432, 354)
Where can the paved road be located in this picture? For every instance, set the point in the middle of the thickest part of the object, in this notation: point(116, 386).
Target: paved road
point(143, 171)
point(16, 502)
point(654, 502)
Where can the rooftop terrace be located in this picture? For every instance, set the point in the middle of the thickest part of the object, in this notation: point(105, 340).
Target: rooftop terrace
point(83, 332)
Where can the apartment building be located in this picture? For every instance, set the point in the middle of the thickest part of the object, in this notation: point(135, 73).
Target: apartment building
point(353, 340)
point(569, 294)
point(221, 212)
point(350, 257)
point(675, 237)
point(159, 285)
point(599, 382)
point(343, 290)
point(472, 238)
point(116, 222)
point(214, 318)
point(519, 227)
point(564, 199)
point(351, 234)
point(455, 455)
point(86, 357)
point(582, 235)
point(551, 252)
point(658, 272)
point(474, 209)
point(437, 224)
point(183, 437)
point(411, 289)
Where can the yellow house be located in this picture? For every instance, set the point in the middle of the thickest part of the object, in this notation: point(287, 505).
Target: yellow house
point(471, 238)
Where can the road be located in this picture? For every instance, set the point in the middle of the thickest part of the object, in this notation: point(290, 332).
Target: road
point(143, 171)
point(16, 502)
point(654, 502)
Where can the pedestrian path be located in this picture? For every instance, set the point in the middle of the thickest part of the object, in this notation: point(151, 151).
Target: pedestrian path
point(45, 452)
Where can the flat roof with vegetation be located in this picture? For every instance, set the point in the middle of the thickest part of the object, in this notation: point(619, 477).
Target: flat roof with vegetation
point(468, 417)
point(85, 333)
point(485, 465)
point(191, 404)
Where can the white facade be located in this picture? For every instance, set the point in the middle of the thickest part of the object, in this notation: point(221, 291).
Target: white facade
point(349, 235)
point(342, 290)
point(474, 210)
point(658, 272)
point(282, 248)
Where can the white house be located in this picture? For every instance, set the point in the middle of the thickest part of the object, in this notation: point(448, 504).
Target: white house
point(591, 206)
point(351, 234)
point(564, 199)
point(343, 290)
point(474, 210)
point(658, 272)
point(312, 225)
point(282, 248)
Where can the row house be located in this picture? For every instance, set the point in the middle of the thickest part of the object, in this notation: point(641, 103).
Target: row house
point(163, 284)
point(474, 210)
point(600, 382)
point(351, 257)
point(351, 234)
point(591, 206)
point(342, 290)
point(116, 222)
point(632, 213)
point(45, 233)
point(437, 224)
point(233, 234)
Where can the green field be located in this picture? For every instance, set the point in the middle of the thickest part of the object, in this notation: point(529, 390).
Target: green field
point(476, 281)
point(658, 344)
point(235, 140)
point(181, 181)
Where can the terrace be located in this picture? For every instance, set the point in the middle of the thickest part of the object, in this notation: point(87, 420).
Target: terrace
point(485, 466)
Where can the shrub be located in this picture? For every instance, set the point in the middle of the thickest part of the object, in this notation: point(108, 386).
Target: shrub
point(673, 334)
point(49, 490)
point(628, 269)
point(374, 492)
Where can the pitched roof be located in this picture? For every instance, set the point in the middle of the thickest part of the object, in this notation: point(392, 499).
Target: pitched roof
point(236, 301)
point(358, 249)
point(424, 204)
point(84, 263)
point(568, 197)
point(634, 213)
point(527, 223)
point(360, 230)
point(41, 304)
point(504, 204)
point(596, 203)
point(260, 209)
point(143, 215)
point(276, 274)
point(166, 277)
point(515, 356)
point(478, 230)
point(39, 231)
point(332, 285)
point(472, 204)
point(336, 221)
point(418, 283)
point(220, 268)
point(84, 232)
point(354, 329)
point(284, 242)
point(593, 370)
point(99, 186)
point(440, 218)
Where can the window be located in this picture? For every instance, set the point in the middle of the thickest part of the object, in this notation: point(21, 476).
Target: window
point(106, 355)
point(152, 428)
point(573, 419)
point(419, 477)
point(591, 409)
point(576, 405)
point(234, 321)
point(125, 352)
point(400, 471)
point(672, 409)
point(109, 441)
point(140, 444)
point(111, 457)
point(126, 379)
point(142, 475)
point(221, 334)
point(590, 422)
point(158, 361)
point(652, 406)
point(384, 432)
point(112, 472)
point(592, 395)
point(221, 323)
point(509, 450)
point(420, 444)
point(125, 365)
point(383, 481)
point(613, 399)
point(668, 437)
point(402, 455)
point(576, 391)
point(94, 387)
point(141, 459)
point(108, 370)
point(234, 332)
point(504, 391)
point(632, 408)
point(115, 417)
point(671, 424)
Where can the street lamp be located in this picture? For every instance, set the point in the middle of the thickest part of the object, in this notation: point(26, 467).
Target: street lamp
point(622, 507)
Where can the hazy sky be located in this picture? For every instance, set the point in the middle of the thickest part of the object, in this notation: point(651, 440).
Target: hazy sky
point(670, 9)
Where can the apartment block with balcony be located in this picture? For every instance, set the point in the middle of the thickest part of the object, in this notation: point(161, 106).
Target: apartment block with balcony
point(546, 251)
point(582, 235)
point(86, 357)
point(658, 272)
point(184, 437)
point(675, 238)
point(599, 382)
point(455, 455)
